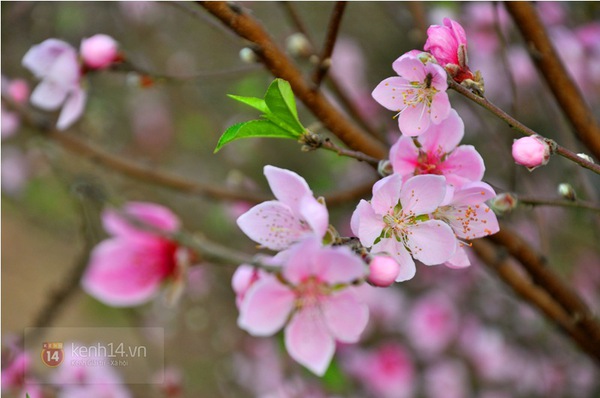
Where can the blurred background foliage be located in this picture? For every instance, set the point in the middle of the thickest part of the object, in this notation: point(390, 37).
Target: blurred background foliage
point(54, 207)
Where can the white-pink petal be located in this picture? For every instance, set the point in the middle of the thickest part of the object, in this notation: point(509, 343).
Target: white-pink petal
point(272, 224)
point(466, 163)
point(308, 340)
point(266, 307)
point(389, 93)
point(422, 194)
point(39, 58)
point(445, 136)
point(48, 95)
point(370, 224)
point(440, 107)
point(346, 316)
point(411, 68)
point(414, 120)
point(287, 186)
point(386, 193)
point(314, 214)
point(431, 242)
point(460, 259)
point(72, 109)
point(300, 263)
point(404, 156)
point(338, 265)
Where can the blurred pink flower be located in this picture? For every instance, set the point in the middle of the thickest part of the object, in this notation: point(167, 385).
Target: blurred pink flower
point(437, 152)
point(383, 271)
point(432, 324)
point(418, 94)
point(128, 268)
point(277, 224)
point(396, 222)
point(55, 63)
point(99, 51)
point(317, 309)
point(448, 45)
point(386, 371)
point(16, 376)
point(18, 91)
point(15, 170)
point(447, 379)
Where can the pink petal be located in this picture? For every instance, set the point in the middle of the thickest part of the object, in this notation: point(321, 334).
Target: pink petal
point(440, 107)
point(346, 317)
point(445, 136)
point(287, 186)
point(389, 93)
point(272, 224)
point(481, 222)
point(308, 341)
point(65, 70)
point(404, 156)
point(457, 30)
point(414, 120)
point(422, 194)
point(466, 163)
point(370, 225)
point(386, 193)
point(438, 77)
point(431, 242)
point(152, 214)
point(397, 250)
point(459, 259)
point(48, 95)
point(266, 307)
point(473, 193)
point(338, 265)
point(300, 262)
point(39, 58)
point(122, 273)
point(314, 214)
point(410, 68)
point(72, 109)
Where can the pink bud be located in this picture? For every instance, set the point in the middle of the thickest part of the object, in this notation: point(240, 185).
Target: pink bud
point(383, 271)
point(448, 45)
point(99, 51)
point(531, 152)
point(19, 90)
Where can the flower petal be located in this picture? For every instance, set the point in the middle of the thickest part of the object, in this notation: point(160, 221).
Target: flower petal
point(40, 57)
point(404, 156)
point(411, 68)
point(431, 242)
point(287, 186)
point(423, 194)
point(308, 341)
point(397, 250)
point(366, 225)
point(459, 259)
point(48, 95)
point(338, 265)
point(465, 163)
point(445, 136)
point(272, 224)
point(440, 107)
point(389, 93)
point(346, 317)
point(314, 214)
point(152, 214)
point(72, 109)
point(266, 307)
point(414, 120)
point(300, 263)
point(122, 273)
point(386, 193)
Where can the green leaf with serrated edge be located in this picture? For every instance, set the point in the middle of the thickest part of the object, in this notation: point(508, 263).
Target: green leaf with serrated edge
point(256, 103)
point(280, 100)
point(253, 128)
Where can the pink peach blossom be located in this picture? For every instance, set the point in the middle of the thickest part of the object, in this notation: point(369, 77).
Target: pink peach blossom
point(397, 222)
point(448, 45)
point(99, 51)
point(437, 152)
point(277, 224)
point(55, 63)
point(531, 152)
point(418, 94)
point(128, 268)
point(315, 302)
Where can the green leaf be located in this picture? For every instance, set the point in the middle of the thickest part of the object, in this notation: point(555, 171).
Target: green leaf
point(256, 103)
point(282, 106)
point(253, 128)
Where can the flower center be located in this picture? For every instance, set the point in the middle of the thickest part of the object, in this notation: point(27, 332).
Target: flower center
point(310, 292)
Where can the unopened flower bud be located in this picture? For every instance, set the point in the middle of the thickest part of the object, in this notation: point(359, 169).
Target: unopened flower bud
point(503, 203)
point(383, 271)
point(385, 168)
point(566, 191)
point(99, 51)
point(531, 152)
point(247, 55)
point(585, 157)
point(299, 46)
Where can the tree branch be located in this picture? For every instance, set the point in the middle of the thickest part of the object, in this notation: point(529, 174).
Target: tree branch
point(281, 66)
point(332, 31)
point(556, 75)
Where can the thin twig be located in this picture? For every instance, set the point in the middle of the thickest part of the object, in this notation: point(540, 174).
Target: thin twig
point(556, 75)
point(281, 66)
point(292, 13)
point(332, 32)
point(331, 146)
point(557, 202)
point(520, 127)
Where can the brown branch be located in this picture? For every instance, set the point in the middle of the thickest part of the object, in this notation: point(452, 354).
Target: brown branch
point(536, 266)
point(556, 75)
point(281, 66)
point(332, 31)
point(520, 127)
point(557, 202)
point(501, 264)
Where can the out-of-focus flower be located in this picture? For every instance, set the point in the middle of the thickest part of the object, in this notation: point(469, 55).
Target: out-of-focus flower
point(55, 63)
point(437, 152)
point(128, 268)
point(448, 44)
point(99, 51)
point(418, 94)
point(316, 303)
point(18, 91)
point(15, 170)
point(531, 152)
point(396, 222)
point(447, 379)
point(276, 224)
